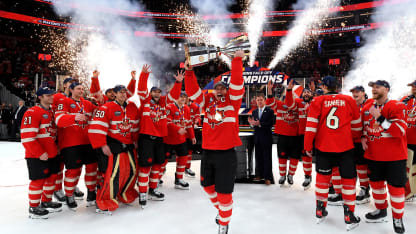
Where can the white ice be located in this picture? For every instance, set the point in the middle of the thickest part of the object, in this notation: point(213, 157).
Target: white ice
point(257, 208)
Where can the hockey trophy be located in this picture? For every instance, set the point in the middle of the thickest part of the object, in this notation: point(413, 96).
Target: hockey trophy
point(200, 54)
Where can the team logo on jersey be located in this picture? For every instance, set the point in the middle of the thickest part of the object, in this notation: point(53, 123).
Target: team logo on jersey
point(124, 126)
point(117, 113)
point(367, 113)
point(374, 130)
point(45, 116)
point(72, 105)
point(216, 118)
point(290, 117)
point(51, 130)
point(176, 113)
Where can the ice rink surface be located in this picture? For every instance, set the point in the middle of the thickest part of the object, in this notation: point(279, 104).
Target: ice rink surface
point(258, 209)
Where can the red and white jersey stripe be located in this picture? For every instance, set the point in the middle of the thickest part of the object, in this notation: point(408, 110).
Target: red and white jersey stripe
point(116, 121)
point(178, 118)
point(387, 140)
point(38, 132)
point(153, 120)
point(333, 121)
point(71, 132)
point(220, 127)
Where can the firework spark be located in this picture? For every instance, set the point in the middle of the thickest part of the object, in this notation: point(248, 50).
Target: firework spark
point(257, 18)
point(312, 16)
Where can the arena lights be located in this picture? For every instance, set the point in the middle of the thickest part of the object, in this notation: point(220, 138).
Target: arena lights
point(51, 23)
point(270, 14)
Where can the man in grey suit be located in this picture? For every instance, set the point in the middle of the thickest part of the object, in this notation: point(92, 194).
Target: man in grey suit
point(262, 121)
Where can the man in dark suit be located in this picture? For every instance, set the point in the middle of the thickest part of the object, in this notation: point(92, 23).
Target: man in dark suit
point(262, 120)
point(17, 119)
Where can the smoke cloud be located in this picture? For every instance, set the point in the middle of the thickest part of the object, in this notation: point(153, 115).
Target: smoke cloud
point(390, 51)
point(114, 50)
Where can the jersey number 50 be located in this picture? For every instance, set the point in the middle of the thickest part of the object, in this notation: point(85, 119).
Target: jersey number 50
point(332, 121)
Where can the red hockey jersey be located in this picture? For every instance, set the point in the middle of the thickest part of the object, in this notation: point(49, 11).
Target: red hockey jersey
point(178, 118)
point(299, 105)
point(195, 113)
point(386, 141)
point(116, 121)
point(361, 107)
point(58, 98)
point(153, 121)
point(220, 127)
point(71, 132)
point(38, 132)
point(287, 120)
point(411, 119)
point(95, 89)
point(333, 121)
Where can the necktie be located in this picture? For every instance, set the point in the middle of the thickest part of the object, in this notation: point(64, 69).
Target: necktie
point(260, 112)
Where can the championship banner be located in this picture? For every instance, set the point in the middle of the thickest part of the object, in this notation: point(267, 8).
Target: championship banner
point(258, 77)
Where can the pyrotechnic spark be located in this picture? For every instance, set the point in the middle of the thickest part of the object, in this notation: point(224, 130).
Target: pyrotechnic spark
point(297, 35)
point(257, 17)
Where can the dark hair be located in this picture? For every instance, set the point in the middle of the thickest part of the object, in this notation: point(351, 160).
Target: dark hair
point(261, 95)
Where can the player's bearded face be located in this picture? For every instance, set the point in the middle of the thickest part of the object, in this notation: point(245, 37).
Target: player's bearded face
point(307, 96)
point(156, 95)
point(111, 95)
point(379, 92)
point(220, 91)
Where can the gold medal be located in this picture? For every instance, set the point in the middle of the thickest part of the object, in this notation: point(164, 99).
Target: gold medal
point(218, 116)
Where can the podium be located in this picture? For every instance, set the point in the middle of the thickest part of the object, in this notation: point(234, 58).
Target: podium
point(245, 157)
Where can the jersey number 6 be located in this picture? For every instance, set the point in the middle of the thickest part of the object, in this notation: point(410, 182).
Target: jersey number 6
point(332, 121)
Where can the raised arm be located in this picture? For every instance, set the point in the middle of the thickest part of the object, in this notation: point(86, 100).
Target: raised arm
point(131, 87)
point(174, 93)
point(290, 100)
point(236, 88)
point(142, 87)
point(95, 89)
point(191, 86)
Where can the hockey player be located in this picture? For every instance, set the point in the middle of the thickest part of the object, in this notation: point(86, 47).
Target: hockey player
point(302, 107)
point(358, 93)
point(219, 137)
point(410, 102)
point(384, 142)
point(196, 121)
point(286, 127)
point(333, 120)
point(38, 134)
point(179, 127)
point(72, 117)
point(95, 89)
point(59, 98)
point(153, 127)
point(114, 129)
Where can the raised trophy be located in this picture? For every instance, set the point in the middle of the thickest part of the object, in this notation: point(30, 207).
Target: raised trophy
point(200, 54)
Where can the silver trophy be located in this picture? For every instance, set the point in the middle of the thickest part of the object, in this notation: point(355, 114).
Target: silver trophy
point(200, 54)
